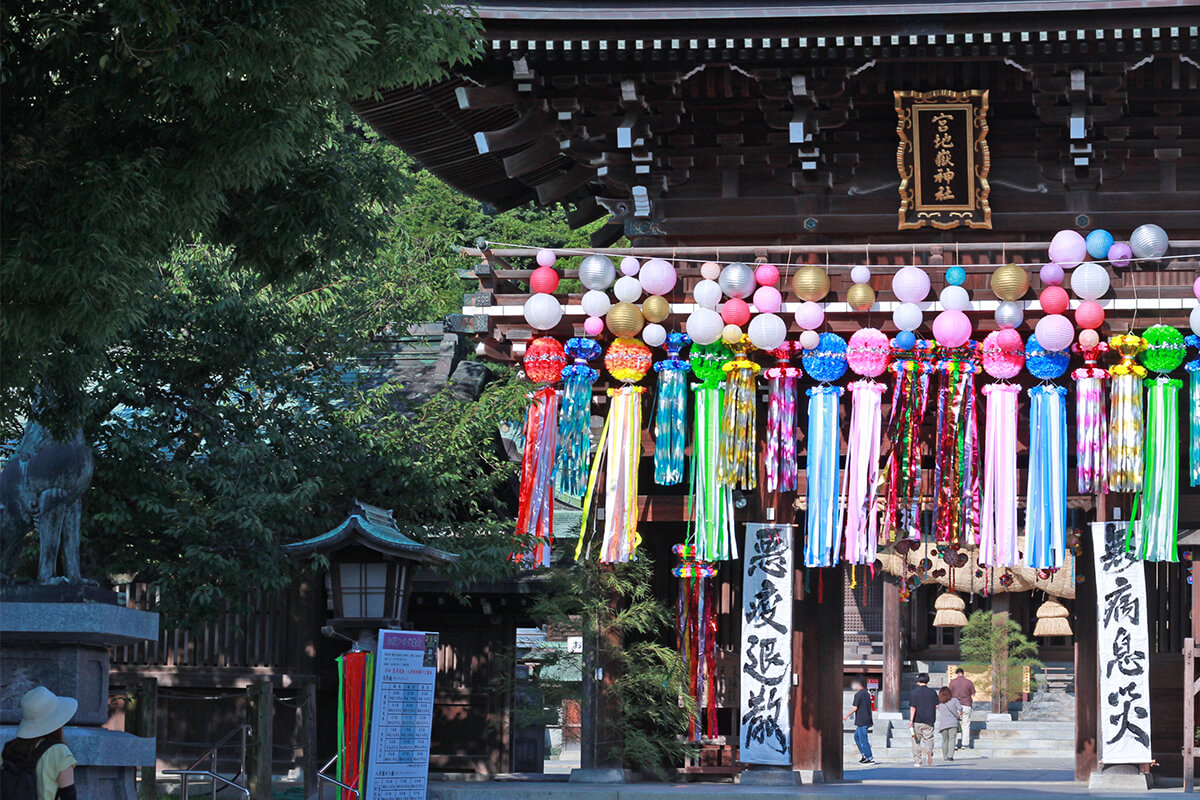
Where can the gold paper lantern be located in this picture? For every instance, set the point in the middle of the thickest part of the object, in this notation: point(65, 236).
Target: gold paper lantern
point(656, 308)
point(624, 320)
point(811, 283)
point(861, 296)
point(1010, 282)
point(1053, 619)
point(949, 608)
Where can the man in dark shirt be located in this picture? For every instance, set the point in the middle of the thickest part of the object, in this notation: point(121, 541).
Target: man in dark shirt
point(863, 719)
point(963, 690)
point(922, 715)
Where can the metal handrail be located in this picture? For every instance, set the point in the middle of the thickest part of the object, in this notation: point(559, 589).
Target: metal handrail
point(184, 774)
point(211, 772)
point(321, 776)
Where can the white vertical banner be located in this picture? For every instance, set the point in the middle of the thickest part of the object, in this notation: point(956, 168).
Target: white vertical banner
point(766, 674)
point(401, 715)
point(1123, 648)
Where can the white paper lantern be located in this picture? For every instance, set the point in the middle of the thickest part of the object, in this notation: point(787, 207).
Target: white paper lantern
point(704, 326)
point(1010, 314)
point(767, 331)
point(1089, 280)
point(543, 311)
point(1054, 332)
point(860, 274)
point(910, 284)
point(731, 334)
point(737, 280)
point(654, 334)
point(955, 298)
point(1149, 241)
point(707, 294)
point(907, 316)
point(595, 303)
point(627, 289)
point(597, 272)
point(1194, 320)
point(809, 340)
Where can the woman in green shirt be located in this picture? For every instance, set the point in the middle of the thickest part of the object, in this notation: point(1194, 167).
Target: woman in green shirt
point(40, 739)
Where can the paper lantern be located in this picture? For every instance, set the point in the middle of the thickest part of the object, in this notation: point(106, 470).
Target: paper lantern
point(910, 284)
point(1098, 243)
point(737, 280)
point(597, 272)
point(767, 299)
point(827, 361)
point(1045, 364)
point(1054, 332)
point(546, 258)
point(999, 361)
point(654, 334)
point(657, 276)
point(810, 283)
point(949, 607)
point(731, 334)
point(1067, 248)
point(905, 340)
point(704, 326)
point(810, 315)
point(907, 316)
point(1009, 340)
point(766, 275)
point(655, 308)
point(1051, 274)
point(1119, 254)
point(956, 276)
point(543, 311)
point(809, 339)
point(595, 303)
point(1009, 282)
point(1088, 340)
point(544, 280)
point(767, 331)
point(1089, 314)
point(630, 266)
point(951, 328)
point(627, 360)
point(1054, 300)
point(544, 360)
point(860, 296)
point(735, 311)
point(1053, 619)
point(1148, 241)
point(710, 270)
point(627, 289)
point(867, 352)
point(1196, 288)
point(860, 274)
point(1009, 314)
point(707, 293)
point(593, 326)
point(1165, 350)
point(1089, 281)
point(624, 320)
point(955, 298)
point(1194, 320)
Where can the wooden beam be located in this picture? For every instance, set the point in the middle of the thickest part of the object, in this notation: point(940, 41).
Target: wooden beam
point(559, 187)
point(523, 131)
point(476, 97)
point(534, 157)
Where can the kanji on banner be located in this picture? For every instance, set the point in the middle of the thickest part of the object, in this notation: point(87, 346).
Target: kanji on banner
point(1123, 643)
point(766, 678)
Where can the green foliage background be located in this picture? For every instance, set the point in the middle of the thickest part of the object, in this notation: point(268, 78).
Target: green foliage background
point(998, 648)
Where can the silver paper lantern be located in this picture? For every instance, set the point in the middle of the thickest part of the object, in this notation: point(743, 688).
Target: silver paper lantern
point(597, 272)
point(1009, 314)
point(737, 280)
point(1148, 241)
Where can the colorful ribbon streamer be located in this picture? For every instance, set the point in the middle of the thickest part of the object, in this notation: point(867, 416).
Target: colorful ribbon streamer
point(861, 478)
point(575, 426)
point(535, 505)
point(697, 632)
point(1193, 368)
point(956, 454)
point(823, 517)
point(1091, 424)
point(621, 441)
point(356, 673)
point(781, 420)
point(1046, 495)
point(909, 398)
point(670, 428)
point(738, 465)
point(1155, 532)
point(1125, 460)
point(712, 501)
point(998, 524)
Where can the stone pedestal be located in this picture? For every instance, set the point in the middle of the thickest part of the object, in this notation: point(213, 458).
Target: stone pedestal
point(59, 637)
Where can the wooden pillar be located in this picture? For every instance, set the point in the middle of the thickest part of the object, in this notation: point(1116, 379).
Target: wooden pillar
point(1189, 713)
point(1001, 605)
point(308, 733)
point(260, 697)
point(1087, 670)
point(817, 660)
point(893, 645)
point(141, 719)
point(830, 668)
point(1196, 599)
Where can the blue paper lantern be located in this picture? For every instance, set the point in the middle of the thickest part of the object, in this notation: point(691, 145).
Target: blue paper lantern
point(905, 340)
point(955, 276)
point(827, 361)
point(1098, 242)
point(1045, 364)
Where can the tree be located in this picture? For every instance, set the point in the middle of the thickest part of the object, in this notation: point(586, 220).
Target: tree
point(994, 644)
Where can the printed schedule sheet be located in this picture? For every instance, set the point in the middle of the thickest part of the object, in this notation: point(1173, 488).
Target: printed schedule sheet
point(402, 714)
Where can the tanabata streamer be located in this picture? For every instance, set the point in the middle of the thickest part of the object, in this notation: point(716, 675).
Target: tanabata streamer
point(1193, 368)
point(823, 515)
point(909, 398)
point(670, 427)
point(356, 673)
point(1091, 423)
point(1125, 460)
point(544, 361)
point(998, 523)
point(697, 632)
point(574, 427)
point(866, 354)
point(956, 452)
point(1046, 497)
point(1156, 530)
point(738, 465)
point(712, 500)
point(781, 420)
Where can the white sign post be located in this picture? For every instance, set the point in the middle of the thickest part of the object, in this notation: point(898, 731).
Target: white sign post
point(1123, 648)
point(401, 716)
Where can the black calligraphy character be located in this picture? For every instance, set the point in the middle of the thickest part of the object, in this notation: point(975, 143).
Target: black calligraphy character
point(761, 658)
point(770, 554)
point(763, 606)
point(1121, 717)
point(761, 721)
point(1121, 604)
point(1125, 658)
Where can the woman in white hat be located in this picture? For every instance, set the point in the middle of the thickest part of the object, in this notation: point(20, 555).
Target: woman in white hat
point(39, 756)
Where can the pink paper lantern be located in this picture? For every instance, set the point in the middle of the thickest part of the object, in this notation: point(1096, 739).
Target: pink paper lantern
point(1054, 300)
point(1054, 332)
point(1067, 249)
point(810, 315)
point(1052, 274)
point(1089, 314)
point(1088, 340)
point(1196, 288)
point(546, 258)
point(767, 299)
point(1009, 339)
point(544, 280)
point(657, 276)
point(766, 275)
point(867, 352)
point(911, 284)
point(710, 270)
point(1120, 254)
point(999, 361)
point(594, 326)
point(951, 328)
point(630, 266)
point(735, 312)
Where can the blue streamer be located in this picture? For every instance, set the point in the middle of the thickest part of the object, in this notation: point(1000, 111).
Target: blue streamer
point(670, 428)
point(823, 541)
point(1046, 495)
point(575, 423)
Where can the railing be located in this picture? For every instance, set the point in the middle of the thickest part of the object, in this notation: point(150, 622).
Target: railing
point(210, 773)
point(321, 776)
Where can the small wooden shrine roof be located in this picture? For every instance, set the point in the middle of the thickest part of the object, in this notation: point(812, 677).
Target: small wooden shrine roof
point(375, 529)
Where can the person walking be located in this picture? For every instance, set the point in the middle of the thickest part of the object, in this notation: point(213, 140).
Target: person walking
point(949, 712)
point(37, 764)
point(963, 690)
point(863, 720)
point(922, 716)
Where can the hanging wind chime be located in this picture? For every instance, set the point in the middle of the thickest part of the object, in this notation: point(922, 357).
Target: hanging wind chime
point(1003, 359)
point(738, 464)
point(1046, 491)
point(712, 500)
point(781, 419)
point(1091, 421)
point(697, 633)
point(1125, 460)
point(544, 362)
point(826, 362)
point(867, 356)
point(574, 427)
point(1155, 529)
point(670, 427)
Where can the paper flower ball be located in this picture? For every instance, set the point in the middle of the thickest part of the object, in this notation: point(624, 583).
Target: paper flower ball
point(1194, 320)
point(544, 360)
point(1088, 339)
point(1165, 349)
point(999, 361)
point(811, 283)
point(1055, 332)
point(655, 308)
point(1045, 364)
point(582, 350)
point(597, 272)
point(860, 296)
point(595, 303)
point(731, 334)
point(737, 280)
point(542, 311)
point(654, 334)
point(910, 284)
point(627, 360)
point(767, 299)
point(907, 316)
point(657, 276)
point(810, 315)
point(1089, 280)
point(704, 326)
point(1009, 314)
point(1089, 314)
point(1009, 282)
point(593, 326)
point(1068, 248)
point(707, 294)
point(867, 352)
point(1098, 242)
point(1149, 241)
point(708, 361)
point(955, 298)
point(544, 280)
point(627, 289)
point(1119, 254)
point(630, 266)
point(1054, 300)
point(956, 276)
point(546, 258)
point(905, 340)
point(1051, 274)
point(710, 270)
point(624, 320)
point(860, 274)
point(1009, 339)
point(809, 339)
point(767, 331)
point(735, 311)
point(766, 274)
point(827, 361)
point(951, 328)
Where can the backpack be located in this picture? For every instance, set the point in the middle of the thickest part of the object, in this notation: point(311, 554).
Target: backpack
point(18, 780)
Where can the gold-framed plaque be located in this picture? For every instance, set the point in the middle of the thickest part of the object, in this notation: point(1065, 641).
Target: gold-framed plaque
point(943, 159)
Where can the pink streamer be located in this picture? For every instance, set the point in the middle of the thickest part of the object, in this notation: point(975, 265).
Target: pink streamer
point(860, 481)
point(998, 527)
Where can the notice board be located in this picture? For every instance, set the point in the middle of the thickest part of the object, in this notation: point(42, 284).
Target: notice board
point(398, 759)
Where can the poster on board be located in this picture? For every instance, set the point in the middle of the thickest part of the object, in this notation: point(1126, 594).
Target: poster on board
point(402, 715)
